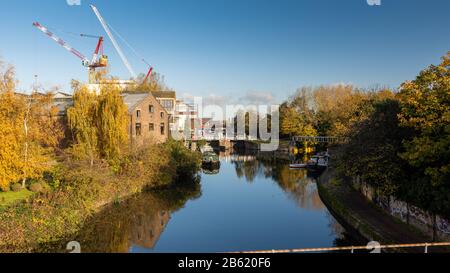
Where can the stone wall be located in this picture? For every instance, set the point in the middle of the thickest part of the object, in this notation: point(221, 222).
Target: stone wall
point(434, 226)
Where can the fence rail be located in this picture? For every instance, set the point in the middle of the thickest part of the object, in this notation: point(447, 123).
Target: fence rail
point(319, 139)
point(370, 246)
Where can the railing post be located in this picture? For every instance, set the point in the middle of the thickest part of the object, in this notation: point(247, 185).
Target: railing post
point(426, 248)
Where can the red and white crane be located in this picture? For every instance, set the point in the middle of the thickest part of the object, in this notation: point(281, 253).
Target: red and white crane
point(92, 65)
point(106, 27)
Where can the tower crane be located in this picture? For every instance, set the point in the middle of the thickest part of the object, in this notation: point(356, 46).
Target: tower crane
point(117, 46)
point(96, 62)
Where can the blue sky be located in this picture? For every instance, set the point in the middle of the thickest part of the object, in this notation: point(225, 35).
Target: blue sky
point(234, 49)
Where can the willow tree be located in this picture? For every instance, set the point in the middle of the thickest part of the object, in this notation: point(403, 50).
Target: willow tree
point(111, 121)
point(82, 122)
point(98, 122)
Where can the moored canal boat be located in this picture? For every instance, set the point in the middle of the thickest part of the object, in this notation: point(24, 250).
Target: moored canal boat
point(318, 162)
point(298, 166)
point(210, 160)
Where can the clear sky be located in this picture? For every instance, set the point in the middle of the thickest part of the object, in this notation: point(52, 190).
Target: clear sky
point(234, 49)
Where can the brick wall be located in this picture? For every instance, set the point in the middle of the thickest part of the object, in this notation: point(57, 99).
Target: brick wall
point(149, 122)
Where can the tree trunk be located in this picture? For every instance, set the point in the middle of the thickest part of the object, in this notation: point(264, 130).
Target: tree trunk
point(25, 125)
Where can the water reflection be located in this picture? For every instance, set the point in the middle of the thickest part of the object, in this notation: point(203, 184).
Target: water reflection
point(275, 208)
point(138, 221)
point(297, 184)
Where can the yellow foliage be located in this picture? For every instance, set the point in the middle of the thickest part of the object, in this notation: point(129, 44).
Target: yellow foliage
point(98, 122)
point(27, 126)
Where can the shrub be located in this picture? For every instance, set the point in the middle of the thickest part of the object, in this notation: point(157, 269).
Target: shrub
point(36, 187)
point(45, 187)
point(16, 187)
point(187, 162)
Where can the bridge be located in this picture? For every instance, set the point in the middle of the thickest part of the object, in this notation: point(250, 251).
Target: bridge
point(319, 139)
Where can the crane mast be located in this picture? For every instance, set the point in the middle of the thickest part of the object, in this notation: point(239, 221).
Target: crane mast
point(113, 40)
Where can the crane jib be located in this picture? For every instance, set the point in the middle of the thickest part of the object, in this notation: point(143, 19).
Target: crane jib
point(113, 40)
point(62, 43)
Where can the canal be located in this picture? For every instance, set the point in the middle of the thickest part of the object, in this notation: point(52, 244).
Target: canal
point(249, 204)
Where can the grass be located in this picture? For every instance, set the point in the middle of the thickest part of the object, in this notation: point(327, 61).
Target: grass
point(9, 198)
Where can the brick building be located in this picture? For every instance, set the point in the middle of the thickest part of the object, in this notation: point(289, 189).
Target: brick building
point(149, 121)
point(168, 100)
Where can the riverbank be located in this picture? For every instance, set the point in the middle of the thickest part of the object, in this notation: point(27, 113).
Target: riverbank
point(370, 222)
point(83, 191)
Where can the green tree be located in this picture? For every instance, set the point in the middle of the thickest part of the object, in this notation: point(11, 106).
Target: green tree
point(425, 105)
point(373, 150)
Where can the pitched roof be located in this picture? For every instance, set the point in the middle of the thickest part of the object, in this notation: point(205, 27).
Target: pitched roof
point(61, 95)
point(131, 100)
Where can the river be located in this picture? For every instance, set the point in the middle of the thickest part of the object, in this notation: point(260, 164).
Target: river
point(249, 204)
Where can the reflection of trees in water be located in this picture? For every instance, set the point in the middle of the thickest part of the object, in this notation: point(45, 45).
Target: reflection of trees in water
point(342, 237)
point(296, 183)
point(336, 229)
point(137, 221)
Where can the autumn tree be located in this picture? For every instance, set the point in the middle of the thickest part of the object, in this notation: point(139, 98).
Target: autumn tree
point(337, 107)
point(11, 163)
point(297, 116)
point(154, 83)
point(425, 105)
point(29, 130)
point(112, 122)
point(82, 122)
point(98, 122)
point(374, 147)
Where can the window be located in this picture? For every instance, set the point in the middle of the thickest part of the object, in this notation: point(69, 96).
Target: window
point(163, 129)
point(162, 114)
point(138, 129)
point(168, 104)
point(151, 109)
point(151, 127)
point(138, 113)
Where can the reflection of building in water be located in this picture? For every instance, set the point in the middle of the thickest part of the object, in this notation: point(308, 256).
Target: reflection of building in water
point(296, 183)
point(147, 230)
point(230, 157)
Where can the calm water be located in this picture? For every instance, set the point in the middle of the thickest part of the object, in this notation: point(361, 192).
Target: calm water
point(250, 204)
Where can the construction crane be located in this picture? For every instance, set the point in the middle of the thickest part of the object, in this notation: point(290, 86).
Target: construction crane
point(117, 46)
point(96, 62)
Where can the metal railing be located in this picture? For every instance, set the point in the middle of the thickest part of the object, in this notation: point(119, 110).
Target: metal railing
point(374, 246)
point(319, 139)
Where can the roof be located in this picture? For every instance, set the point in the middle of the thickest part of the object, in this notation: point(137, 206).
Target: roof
point(131, 100)
point(165, 94)
point(61, 95)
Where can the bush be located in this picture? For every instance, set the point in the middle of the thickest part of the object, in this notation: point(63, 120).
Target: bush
point(187, 162)
point(54, 177)
point(36, 187)
point(16, 187)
